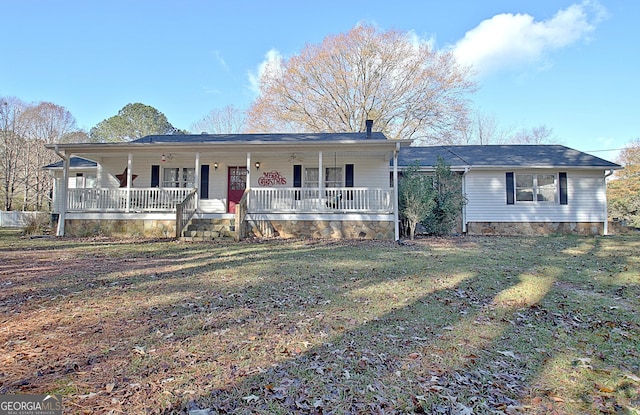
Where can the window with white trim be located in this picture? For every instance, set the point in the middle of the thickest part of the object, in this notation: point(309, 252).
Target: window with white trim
point(179, 177)
point(82, 181)
point(311, 177)
point(333, 177)
point(536, 188)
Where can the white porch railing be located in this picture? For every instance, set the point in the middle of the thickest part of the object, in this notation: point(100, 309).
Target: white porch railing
point(152, 199)
point(185, 211)
point(309, 200)
point(260, 200)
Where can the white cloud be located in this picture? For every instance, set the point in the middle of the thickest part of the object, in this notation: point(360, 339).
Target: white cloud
point(270, 66)
point(218, 56)
point(515, 41)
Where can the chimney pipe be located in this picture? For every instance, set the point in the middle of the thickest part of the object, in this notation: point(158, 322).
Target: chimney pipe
point(369, 124)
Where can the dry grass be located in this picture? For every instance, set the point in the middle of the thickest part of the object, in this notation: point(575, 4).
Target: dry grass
point(467, 325)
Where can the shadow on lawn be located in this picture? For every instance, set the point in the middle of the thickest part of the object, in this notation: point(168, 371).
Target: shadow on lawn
point(244, 329)
point(471, 346)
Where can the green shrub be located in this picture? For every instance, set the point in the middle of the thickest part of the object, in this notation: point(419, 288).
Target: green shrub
point(433, 200)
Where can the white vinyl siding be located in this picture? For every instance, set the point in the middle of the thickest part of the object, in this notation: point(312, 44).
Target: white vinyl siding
point(367, 171)
point(487, 201)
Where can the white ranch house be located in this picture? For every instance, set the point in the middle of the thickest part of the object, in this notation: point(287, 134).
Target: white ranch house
point(206, 186)
point(324, 185)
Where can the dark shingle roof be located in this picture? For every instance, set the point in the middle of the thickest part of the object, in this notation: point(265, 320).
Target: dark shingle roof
point(74, 162)
point(506, 156)
point(266, 138)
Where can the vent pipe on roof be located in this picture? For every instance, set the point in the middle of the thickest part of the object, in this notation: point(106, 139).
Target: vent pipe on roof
point(369, 124)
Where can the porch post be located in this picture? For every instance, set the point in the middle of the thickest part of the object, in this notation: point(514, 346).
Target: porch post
point(65, 194)
point(396, 218)
point(197, 176)
point(129, 176)
point(248, 185)
point(320, 175)
point(197, 179)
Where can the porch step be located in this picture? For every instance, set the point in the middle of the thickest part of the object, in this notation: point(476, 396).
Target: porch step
point(209, 230)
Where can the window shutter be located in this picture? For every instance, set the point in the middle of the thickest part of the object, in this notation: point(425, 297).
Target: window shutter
point(155, 175)
point(204, 181)
point(297, 175)
point(564, 197)
point(297, 179)
point(348, 180)
point(510, 188)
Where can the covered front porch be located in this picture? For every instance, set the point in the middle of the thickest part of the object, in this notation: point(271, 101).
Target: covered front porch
point(159, 212)
point(259, 183)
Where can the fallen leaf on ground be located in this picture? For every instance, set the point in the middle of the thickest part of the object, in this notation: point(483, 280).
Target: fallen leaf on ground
point(251, 398)
point(508, 353)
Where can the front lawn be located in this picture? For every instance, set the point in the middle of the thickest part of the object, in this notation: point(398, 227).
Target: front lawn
point(444, 326)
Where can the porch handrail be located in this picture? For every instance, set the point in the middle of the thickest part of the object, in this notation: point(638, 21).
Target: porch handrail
point(185, 211)
point(241, 212)
point(152, 199)
point(329, 199)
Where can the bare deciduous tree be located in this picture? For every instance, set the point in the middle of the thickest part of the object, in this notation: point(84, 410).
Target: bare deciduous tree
point(43, 123)
point(228, 120)
point(24, 129)
point(484, 129)
point(536, 135)
point(623, 191)
point(407, 88)
point(11, 147)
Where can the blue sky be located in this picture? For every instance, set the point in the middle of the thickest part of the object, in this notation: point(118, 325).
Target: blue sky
point(570, 65)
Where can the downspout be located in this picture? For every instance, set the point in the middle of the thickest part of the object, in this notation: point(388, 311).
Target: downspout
point(464, 194)
point(65, 186)
point(605, 230)
point(396, 216)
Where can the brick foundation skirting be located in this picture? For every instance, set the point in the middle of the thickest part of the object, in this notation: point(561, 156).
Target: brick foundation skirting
point(120, 228)
point(316, 229)
point(320, 229)
point(535, 228)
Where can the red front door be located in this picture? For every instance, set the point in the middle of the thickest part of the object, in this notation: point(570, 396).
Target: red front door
point(237, 184)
